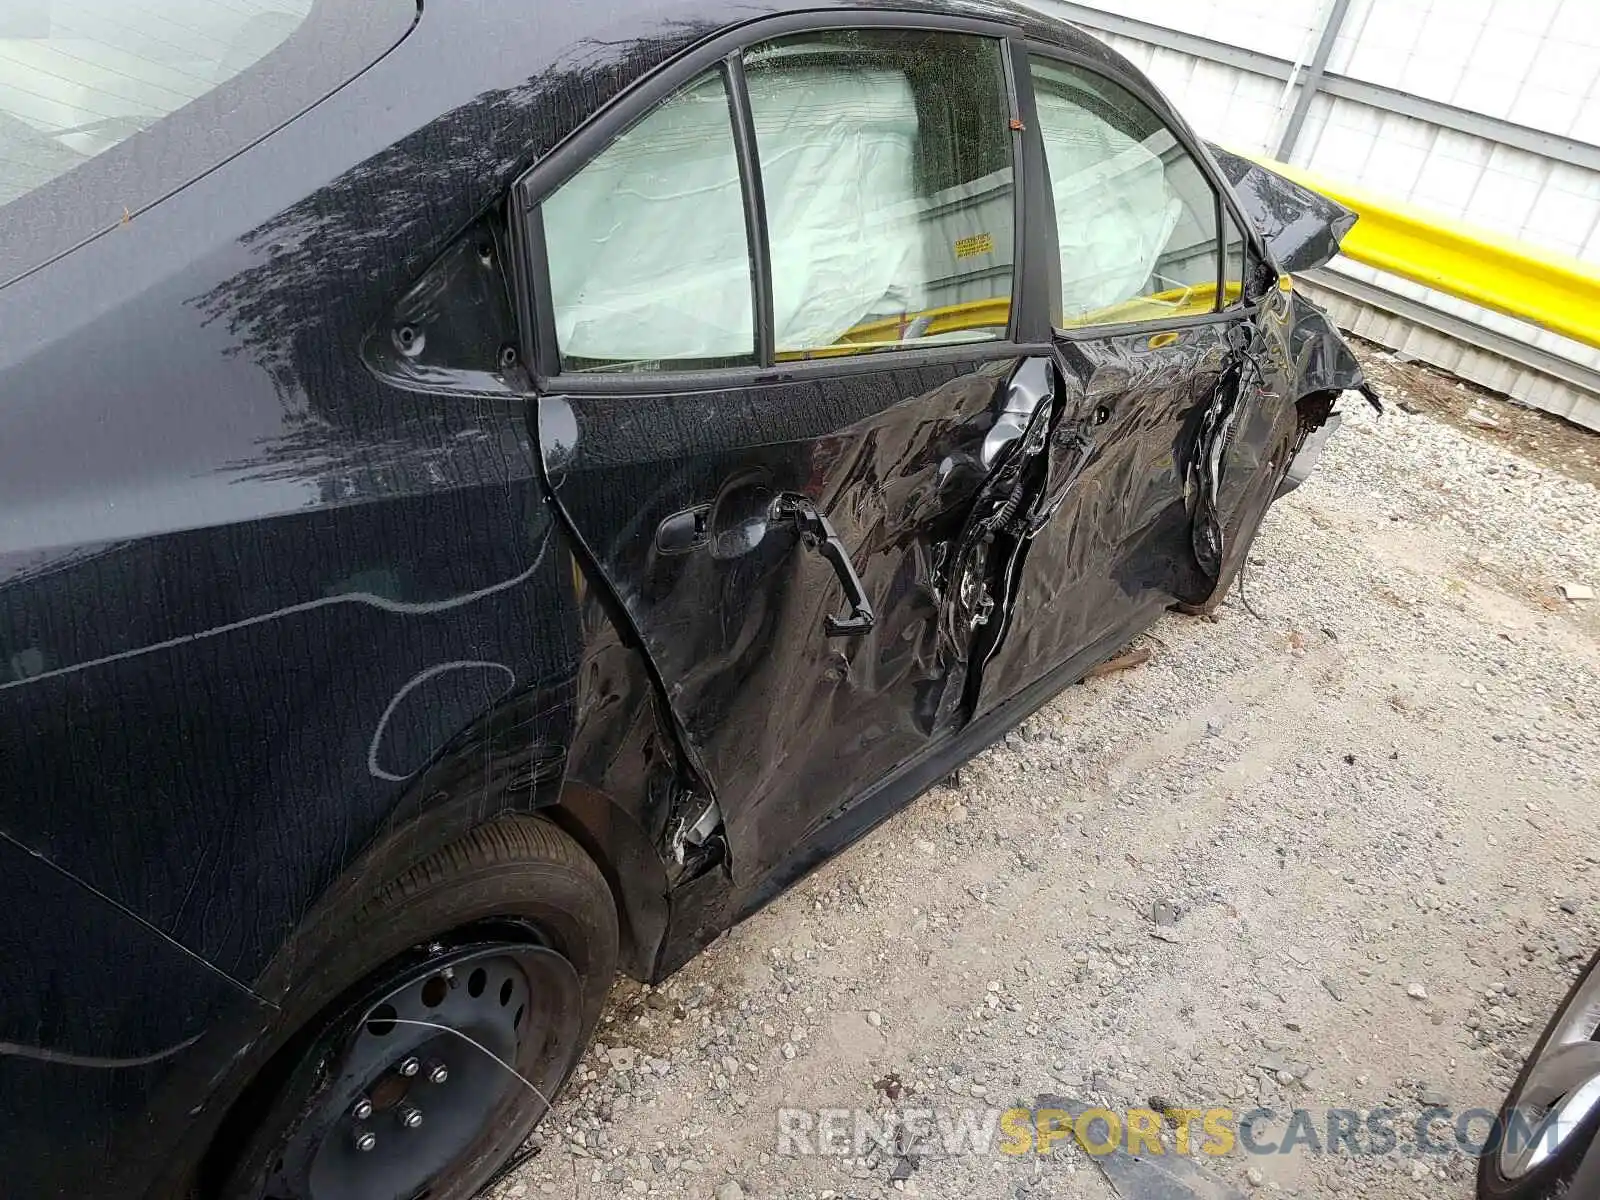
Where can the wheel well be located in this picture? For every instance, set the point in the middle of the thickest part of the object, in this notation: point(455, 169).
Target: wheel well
point(400, 854)
point(631, 867)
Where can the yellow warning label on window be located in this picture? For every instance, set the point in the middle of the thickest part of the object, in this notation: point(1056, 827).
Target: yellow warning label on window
point(978, 243)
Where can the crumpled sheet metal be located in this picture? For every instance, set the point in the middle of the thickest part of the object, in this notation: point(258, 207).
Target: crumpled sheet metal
point(761, 698)
point(1113, 548)
point(1304, 228)
point(1323, 360)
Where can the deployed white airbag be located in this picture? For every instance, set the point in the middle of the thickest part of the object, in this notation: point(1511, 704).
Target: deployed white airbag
point(1115, 211)
point(647, 244)
point(837, 164)
point(647, 247)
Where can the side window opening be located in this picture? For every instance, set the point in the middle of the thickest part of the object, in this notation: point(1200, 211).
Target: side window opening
point(1136, 217)
point(885, 160)
point(886, 166)
point(647, 248)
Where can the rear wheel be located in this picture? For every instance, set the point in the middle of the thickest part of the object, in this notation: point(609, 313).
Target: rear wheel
point(463, 994)
point(1552, 1116)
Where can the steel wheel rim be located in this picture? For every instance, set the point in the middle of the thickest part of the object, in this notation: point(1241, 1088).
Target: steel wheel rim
point(416, 1075)
point(1561, 1092)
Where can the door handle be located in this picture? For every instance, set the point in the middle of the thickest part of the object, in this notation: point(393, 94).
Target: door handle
point(818, 533)
point(685, 531)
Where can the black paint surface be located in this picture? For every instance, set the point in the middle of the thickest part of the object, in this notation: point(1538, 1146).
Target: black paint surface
point(284, 608)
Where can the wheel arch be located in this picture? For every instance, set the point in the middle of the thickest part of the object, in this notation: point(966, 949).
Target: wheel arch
point(468, 787)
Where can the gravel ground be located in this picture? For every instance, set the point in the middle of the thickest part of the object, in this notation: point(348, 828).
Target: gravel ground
point(1342, 854)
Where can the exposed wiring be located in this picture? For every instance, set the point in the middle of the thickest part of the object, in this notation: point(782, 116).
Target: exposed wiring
point(1245, 599)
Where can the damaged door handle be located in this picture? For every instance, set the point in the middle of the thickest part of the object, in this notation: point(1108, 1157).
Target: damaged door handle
point(818, 533)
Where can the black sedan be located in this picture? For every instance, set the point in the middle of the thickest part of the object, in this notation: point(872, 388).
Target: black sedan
point(491, 494)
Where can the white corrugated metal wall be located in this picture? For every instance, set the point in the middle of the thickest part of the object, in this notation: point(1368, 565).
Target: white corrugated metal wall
point(1533, 63)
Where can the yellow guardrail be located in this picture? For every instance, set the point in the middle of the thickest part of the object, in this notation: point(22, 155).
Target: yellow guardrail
point(1550, 290)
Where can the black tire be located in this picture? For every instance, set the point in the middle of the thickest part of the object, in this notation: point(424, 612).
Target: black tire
point(1553, 1178)
point(505, 881)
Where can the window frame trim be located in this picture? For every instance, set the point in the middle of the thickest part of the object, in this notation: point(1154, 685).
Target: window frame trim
point(719, 52)
point(1146, 93)
point(758, 243)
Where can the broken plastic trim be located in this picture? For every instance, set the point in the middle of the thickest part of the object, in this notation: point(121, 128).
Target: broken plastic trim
point(453, 330)
point(695, 831)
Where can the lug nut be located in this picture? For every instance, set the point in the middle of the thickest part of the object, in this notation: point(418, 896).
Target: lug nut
point(366, 1140)
point(410, 1115)
point(410, 1067)
point(361, 1109)
point(438, 1073)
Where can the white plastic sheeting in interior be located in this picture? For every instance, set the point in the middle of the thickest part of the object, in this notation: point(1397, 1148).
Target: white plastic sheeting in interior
point(838, 169)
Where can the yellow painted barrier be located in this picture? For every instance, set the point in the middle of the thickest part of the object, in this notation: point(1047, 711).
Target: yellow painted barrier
point(888, 333)
point(1550, 290)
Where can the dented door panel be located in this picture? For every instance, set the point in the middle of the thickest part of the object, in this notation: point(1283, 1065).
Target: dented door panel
point(787, 722)
point(1117, 548)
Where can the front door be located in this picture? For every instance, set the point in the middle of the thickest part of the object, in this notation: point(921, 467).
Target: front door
point(1159, 363)
point(776, 334)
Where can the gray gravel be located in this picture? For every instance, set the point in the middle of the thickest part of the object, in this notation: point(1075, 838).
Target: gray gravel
point(1341, 855)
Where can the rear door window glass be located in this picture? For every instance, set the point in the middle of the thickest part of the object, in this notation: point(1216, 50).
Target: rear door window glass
point(886, 168)
point(1136, 218)
point(649, 257)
